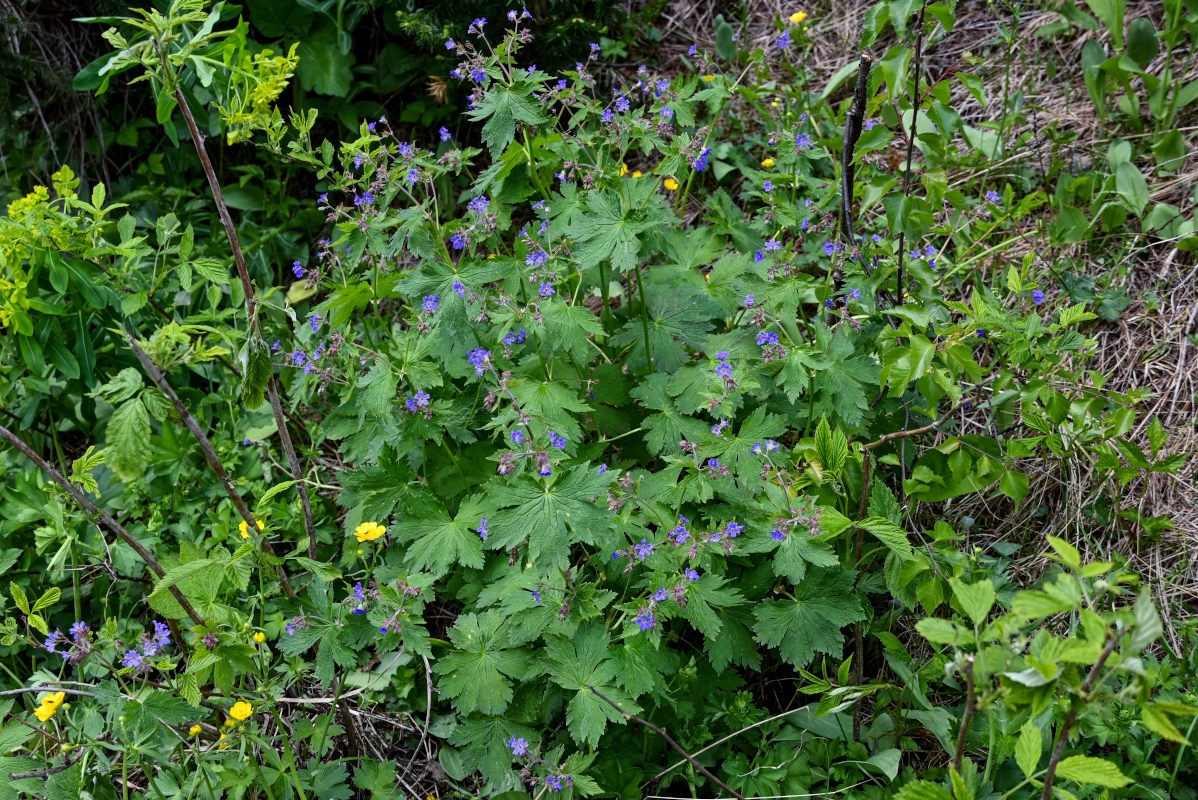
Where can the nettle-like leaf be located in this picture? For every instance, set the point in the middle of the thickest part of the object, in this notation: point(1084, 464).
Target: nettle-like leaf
point(476, 674)
point(580, 662)
point(611, 227)
point(547, 513)
point(669, 426)
point(842, 380)
point(811, 622)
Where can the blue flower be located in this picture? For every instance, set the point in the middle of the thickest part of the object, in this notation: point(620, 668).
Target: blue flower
point(691, 575)
point(694, 49)
point(783, 40)
point(748, 301)
point(660, 595)
point(734, 529)
point(645, 621)
point(364, 199)
point(444, 133)
point(594, 47)
point(518, 437)
point(458, 288)
point(519, 746)
point(479, 204)
point(483, 529)
point(767, 338)
point(449, 44)
point(777, 535)
point(768, 186)
point(992, 196)
point(803, 142)
point(459, 241)
point(478, 358)
point(701, 161)
point(773, 245)
point(133, 659)
point(759, 256)
point(557, 441)
point(536, 596)
point(430, 302)
point(297, 268)
point(53, 640)
point(545, 289)
point(536, 258)
point(421, 398)
point(855, 293)
point(831, 247)
point(1037, 296)
point(642, 550)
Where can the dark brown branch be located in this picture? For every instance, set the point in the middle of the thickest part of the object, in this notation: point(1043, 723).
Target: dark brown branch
point(661, 732)
point(915, 96)
point(913, 431)
point(107, 521)
point(46, 773)
point(251, 303)
point(967, 715)
point(852, 132)
point(209, 453)
point(1063, 738)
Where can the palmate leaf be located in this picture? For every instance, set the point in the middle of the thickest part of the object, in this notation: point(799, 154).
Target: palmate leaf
point(577, 663)
point(546, 514)
point(475, 675)
point(841, 379)
point(675, 321)
point(552, 402)
point(611, 227)
point(439, 541)
point(812, 621)
point(668, 427)
point(502, 106)
point(735, 643)
point(703, 597)
point(736, 452)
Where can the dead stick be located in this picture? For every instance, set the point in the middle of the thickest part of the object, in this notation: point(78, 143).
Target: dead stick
point(966, 716)
point(661, 732)
point(107, 521)
point(247, 287)
point(1051, 773)
point(209, 453)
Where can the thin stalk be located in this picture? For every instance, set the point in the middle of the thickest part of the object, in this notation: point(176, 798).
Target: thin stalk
point(209, 454)
point(902, 247)
point(640, 287)
point(967, 715)
point(1063, 737)
point(107, 521)
point(251, 302)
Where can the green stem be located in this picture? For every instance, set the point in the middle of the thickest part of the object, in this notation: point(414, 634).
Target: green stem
point(640, 287)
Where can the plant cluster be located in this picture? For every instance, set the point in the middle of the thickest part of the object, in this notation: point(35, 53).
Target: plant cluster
point(635, 430)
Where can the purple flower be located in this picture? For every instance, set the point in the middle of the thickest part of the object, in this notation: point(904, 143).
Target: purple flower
point(694, 49)
point(459, 241)
point(660, 595)
point(701, 161)
point(518, 437)
point(449, 44)
point(545, 289)
point(723, 369)
point(784, 40)
point(479, 204)
point(557, 441)
point(602, 468)
point(364, 199)
point(421, 399)
point(478, 358)
point(297, 268)
point(458, 288)
point(483, 529)
point(748, 301)
point(831, 247)
point(607, 115)
point(323, 199)
point(133, 659)
point(803, 142)
point(444, 133)
point(622, 104)
point(734, 529)
point(691, 575)
point(314, 321)
point(1037, 296)
point(773, 245)
point(536, 596)
point(519, 747)
point(430, 302)
point(477, 25)
point(594, 47)
point(645, 621)
point(981, 332)
point(536, 258)
point(667, 112)
point(777, 535)
point(992, 196)
point(768, 186)
point(855, 293)
point(767, 338)
point(53, 640)
point(245, 442)
point(759, 256)
point(642, 550)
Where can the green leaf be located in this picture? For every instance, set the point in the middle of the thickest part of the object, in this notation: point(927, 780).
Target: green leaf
point(975, 599)
point(258, 370)
point(1028, 748)
point(811, 622)
point(1087, 769)
point(922, 790)
point(272, 491)
point(379, 395)
point(1159, 723)
point(128, 437)
point(943, 631)
point(475, 675)
point(890, 535)
point(581, 661)
point(48, 599)
point(18, 597)
point(1068, 554)
point(547, 514)
point(323, 67)
point(832, 449)
point(439, 541)
point(1132, 187)
point(501, 106)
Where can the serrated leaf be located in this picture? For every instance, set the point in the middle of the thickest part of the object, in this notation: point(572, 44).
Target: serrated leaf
point(943, 631)
point(1097, 771)
point(1159, 723)
point(1068, 554)
point(922, 790)
point(812, 621)
point(272, 491)
point(128, 436)
point(1028, 748)
point(975, 599)
point(476, 674)
point(18, 597)
point(890, 535)
point(578, 663)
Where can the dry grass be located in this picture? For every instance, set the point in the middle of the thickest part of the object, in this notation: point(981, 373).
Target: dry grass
point(1146, 348)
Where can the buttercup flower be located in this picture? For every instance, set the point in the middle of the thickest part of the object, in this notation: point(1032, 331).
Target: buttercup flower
point(670, 184)
point(49, 706)
point(798, 17)
point(245, 529)
point(241, 711)
point(259, 637)
point(194, 730)
point(769, 162)
point(369, 531)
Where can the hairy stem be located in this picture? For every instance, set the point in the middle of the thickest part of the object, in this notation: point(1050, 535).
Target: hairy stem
point(967, 715)
point(1063, 737)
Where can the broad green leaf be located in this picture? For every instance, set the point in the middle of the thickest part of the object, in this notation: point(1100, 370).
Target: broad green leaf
point(890, 535)
point(128, 436)
point(1028, 748)
point(811, 622)
point(476, 674)
point(922, 790)
point(1157, 721)
point(975, 599)
point(1097, 771)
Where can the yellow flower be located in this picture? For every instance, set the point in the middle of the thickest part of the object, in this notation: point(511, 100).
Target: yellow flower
point(670, 184)
point(259, 637)
point(369, 531)
point(623, 170)
point(490, 256)
point(636, 174)
point(245, 529)
point(241, 711)
point(769, 162)
point(798, 17)
point(194, 730)
point(221, 743)
point(709, 78)
point(230, 722)
point(49, 706)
